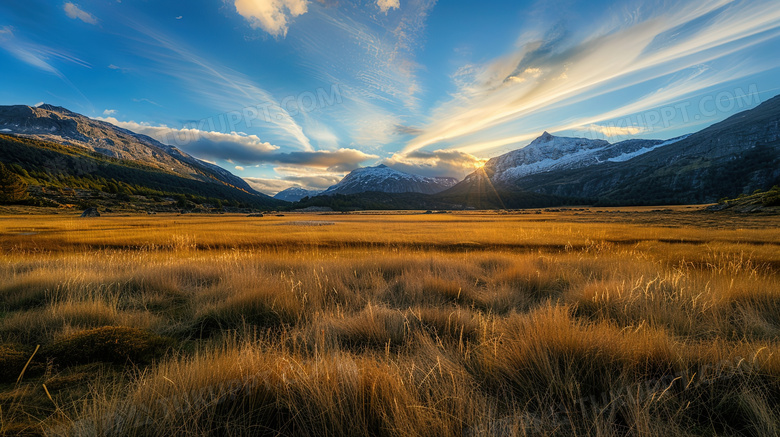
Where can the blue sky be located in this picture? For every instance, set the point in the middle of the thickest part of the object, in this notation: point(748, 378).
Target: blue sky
point(299, 92)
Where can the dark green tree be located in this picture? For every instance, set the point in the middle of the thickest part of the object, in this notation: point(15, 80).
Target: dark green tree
point(12, 187)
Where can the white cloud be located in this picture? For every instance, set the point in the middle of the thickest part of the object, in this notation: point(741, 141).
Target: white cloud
point(449, 163)
point(239, 168)
point(109, 112)
point(73, 11)
point(269, 186)
point(273, 16)
point(207, 144)
point(242, 148)
point(386, 5)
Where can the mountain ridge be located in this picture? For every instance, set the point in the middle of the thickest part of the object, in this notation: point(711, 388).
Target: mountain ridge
point(59, 125)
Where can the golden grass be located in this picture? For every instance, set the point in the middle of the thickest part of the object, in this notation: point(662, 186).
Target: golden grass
point(590, 323)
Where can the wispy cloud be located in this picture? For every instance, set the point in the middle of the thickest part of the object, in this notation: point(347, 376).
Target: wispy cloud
point(225, 89)
point(273, 16)
point(504, 100)
point(118, 68)
point(39, 56)
point(613, 131)
point(145, 100)
point(375, 66)
point(74, 11)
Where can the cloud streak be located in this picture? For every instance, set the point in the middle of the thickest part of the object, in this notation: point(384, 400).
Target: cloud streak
point(226, 89)
point(613, 131)
point(374, 66)
point(506, 99)
point(39, 56)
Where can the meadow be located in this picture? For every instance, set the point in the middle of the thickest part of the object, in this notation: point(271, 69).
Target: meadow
point(603, 322)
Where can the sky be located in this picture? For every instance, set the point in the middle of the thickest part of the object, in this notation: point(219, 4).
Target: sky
point(299, 92)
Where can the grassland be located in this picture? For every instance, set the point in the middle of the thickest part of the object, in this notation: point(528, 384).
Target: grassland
point(611, 322)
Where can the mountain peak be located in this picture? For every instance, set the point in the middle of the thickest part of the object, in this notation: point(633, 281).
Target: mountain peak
point(380, 166)
point(544, 138)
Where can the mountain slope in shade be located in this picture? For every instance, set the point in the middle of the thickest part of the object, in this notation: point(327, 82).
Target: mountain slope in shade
point(61, 126)
point(294, 194)
point(387, 180)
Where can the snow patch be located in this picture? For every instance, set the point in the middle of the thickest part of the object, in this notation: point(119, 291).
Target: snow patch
point(626, 156)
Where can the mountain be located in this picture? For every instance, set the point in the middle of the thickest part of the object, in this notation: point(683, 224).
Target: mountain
point(387, 180)
point(59, 125)
point(738, 155)
point(294, 194)
point(549, 153)
point(68, 150)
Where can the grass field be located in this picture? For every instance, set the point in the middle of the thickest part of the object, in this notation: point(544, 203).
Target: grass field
point(577, 322)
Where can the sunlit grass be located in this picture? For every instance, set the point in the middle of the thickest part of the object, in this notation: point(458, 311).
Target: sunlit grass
point(632, 323)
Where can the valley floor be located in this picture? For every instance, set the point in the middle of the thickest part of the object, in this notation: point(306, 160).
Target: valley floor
point(577, 321)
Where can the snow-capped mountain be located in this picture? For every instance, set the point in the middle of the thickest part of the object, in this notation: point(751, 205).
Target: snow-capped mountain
point(737, 155)
point(294, 194)
point(549, 153)
point(385, 179)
